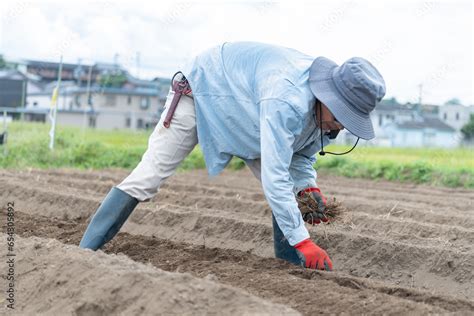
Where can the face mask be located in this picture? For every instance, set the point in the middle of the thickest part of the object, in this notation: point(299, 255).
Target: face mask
point(332, 134)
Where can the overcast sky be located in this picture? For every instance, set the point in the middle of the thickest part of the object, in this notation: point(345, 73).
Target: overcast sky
point(410, 42)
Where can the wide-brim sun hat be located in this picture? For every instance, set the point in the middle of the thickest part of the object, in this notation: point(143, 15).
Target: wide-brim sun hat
point(350, 91)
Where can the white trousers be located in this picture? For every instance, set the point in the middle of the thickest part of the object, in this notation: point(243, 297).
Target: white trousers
point(167, 148)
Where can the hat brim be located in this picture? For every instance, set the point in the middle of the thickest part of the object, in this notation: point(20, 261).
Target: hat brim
point(323, 88)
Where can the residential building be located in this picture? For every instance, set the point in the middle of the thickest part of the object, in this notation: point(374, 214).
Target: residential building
point(110, 98)
point(411, 125)
point(105, 108)
point(12, 88)
point(455, 115)
point(421, 132)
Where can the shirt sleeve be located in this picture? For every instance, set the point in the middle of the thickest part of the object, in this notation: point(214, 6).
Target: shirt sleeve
point(279, 123)
point(302, 171)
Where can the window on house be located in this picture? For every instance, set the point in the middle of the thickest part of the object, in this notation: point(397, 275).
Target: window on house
point(380, 119)
point(457, 116)
point(445, 116)
point(139, 123)
point(129, 100)
point(128, 122)
point(144, 103)
point(110, 99)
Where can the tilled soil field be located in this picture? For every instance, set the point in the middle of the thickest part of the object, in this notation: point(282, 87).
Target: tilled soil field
point(204, 246)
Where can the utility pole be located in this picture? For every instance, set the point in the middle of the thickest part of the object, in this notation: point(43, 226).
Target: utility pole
point(420, 98)
point(420, 95)
point(89, 100)
point(138, 64)
point(116, 59)
point(78, 71)
point(89, 79)
point(23, 98)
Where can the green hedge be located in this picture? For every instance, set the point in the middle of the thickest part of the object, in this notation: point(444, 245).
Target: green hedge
point(417, 171)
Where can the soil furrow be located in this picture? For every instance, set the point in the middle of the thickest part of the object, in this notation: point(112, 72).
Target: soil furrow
point(415, 239)
point(439, 202)
point(268, 278)
point(238, 203)
point(349, 250)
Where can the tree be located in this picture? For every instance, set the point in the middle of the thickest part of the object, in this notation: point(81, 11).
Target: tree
point(3, 63)
point(113, 80)
point(468, 129)
point(453, 101)
point(391, 101)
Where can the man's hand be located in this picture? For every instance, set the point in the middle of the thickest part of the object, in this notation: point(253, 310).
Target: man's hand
point(312, 205)
point(313, 256)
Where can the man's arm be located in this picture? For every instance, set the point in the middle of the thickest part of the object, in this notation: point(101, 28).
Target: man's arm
point(279, 123)
point(302, 171)
point(305, 178)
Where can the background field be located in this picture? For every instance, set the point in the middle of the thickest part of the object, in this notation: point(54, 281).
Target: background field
point(88, 148)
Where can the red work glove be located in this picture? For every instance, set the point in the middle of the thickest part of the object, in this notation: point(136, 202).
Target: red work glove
point(314, 217)
point(314, 257)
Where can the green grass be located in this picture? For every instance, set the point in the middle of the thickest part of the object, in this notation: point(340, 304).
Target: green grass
point(76, 148)
point(447, 167)
point(84, 149)
point(28, 147)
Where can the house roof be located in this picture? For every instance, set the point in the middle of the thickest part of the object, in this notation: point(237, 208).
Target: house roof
point(386, 106)
point(393, 108)
point(97, 67)
point(11, 74)
point(426, 122)
point(69, 88)
point(48, 64)
point(389, 106)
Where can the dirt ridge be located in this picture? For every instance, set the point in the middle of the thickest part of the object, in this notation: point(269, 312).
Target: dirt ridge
point(268, 278)
point(83, 282)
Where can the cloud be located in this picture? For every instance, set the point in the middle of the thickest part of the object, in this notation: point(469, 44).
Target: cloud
point(408, 41)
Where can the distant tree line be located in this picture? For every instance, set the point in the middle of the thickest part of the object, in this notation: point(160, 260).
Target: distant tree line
point(3, 63)
point(468, 129)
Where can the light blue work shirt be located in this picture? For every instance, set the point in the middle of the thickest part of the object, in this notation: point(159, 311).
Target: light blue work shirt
point(253, 101)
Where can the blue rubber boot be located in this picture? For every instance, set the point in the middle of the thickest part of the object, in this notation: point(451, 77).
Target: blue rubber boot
point(283, 250)
point(108, 219)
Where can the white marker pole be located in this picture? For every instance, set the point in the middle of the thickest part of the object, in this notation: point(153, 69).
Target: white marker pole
point(54, 106)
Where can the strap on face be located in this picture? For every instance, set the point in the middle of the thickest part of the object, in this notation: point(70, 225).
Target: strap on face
point(322, 152)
